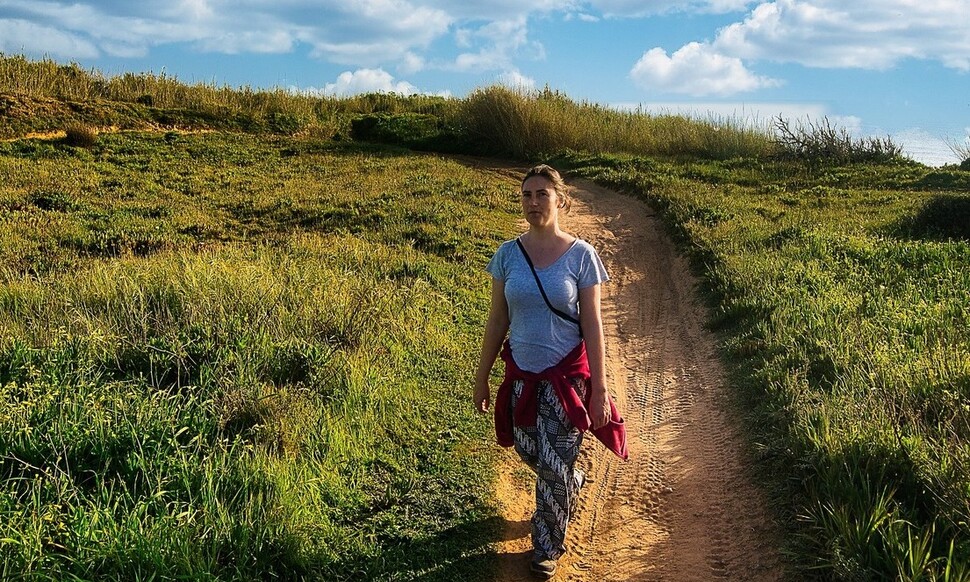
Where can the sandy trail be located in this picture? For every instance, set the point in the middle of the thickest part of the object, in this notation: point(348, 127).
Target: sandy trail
point(683, 507)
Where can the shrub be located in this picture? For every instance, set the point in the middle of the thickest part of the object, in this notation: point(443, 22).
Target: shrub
point(406, 129)
point(961, 151)
point(80, 135)
point(823, 142)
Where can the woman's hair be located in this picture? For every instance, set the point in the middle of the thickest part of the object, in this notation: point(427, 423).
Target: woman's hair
point(558, 184)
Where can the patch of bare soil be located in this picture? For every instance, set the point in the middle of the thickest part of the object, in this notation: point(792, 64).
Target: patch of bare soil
point(683, 507)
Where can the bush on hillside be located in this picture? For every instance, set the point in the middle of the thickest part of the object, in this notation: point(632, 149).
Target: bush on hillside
point(961, 151)
point(80, 135)
point(821, 141)
point(413, 130)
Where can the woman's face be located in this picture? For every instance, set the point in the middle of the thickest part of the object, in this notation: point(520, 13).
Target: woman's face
point(540, 202)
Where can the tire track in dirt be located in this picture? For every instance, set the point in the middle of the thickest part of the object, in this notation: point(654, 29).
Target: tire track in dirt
point(683, 507)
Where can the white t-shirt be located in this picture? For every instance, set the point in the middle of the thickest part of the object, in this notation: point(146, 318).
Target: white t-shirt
point(538, 337)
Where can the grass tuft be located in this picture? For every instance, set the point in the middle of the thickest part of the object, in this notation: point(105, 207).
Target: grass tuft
point(80, 135)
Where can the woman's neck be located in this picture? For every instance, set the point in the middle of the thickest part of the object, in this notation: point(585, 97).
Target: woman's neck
point(545, 233)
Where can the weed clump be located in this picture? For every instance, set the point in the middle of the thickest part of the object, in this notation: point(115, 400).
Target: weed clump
point(961, 151)
point(823, 142)
point(80, 135)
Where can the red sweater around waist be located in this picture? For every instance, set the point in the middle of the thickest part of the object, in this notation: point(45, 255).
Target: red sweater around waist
point(574, 365)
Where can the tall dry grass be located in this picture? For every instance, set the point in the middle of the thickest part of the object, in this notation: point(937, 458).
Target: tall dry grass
point(523, 124)
point(530, 124)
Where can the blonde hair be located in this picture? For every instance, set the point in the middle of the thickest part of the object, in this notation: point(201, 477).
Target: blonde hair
point(558, 184)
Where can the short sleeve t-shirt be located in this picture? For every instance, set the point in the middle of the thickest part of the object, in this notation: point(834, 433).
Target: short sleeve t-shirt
point(538, 337)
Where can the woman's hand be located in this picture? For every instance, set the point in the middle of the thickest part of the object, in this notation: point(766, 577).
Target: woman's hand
point(482, 396)
point(599, 408)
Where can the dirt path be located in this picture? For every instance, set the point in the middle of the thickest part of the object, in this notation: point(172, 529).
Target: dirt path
point(683, 507)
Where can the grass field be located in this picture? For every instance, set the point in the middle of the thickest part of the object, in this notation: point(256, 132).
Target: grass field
point(238, 342)
point(227, 356)
point(841, 294)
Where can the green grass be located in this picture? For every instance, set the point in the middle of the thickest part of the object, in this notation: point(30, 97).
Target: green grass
point(224, 356)
point(43, 96)
point(246, 354)
point(841, 297)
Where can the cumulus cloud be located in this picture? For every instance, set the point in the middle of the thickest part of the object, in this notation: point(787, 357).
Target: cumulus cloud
point(365, 81)
point(867, 34)
point(361, 81)
point(871, 34)
point(638, 8)
point(516, 80)
point(489, 35)
point(500, 9)
point(696, 69)
point(494, 35)
point(21, 36)
point(359, 32)
point(366, 33)
point(499, 43)
point(411, 63)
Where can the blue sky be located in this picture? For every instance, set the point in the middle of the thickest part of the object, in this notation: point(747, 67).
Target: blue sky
point(876, 67)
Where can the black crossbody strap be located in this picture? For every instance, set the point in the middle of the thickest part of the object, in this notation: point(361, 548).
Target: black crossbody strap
point(542, 291)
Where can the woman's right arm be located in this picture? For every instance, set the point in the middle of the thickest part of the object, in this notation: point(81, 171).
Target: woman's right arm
point(496, 328)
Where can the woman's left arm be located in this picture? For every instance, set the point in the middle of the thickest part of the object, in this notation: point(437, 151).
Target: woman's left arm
point(592, 321)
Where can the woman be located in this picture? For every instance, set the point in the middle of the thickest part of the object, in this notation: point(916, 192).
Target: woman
point(546, 296)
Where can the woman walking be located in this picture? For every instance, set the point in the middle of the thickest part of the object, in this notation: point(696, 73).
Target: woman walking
point(546, 298)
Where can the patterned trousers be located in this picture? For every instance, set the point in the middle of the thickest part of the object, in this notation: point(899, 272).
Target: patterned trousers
point(550, 449)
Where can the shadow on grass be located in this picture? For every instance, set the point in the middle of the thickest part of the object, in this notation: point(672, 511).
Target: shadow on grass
point(474, 563)
point(943, 217)
point(463, 552)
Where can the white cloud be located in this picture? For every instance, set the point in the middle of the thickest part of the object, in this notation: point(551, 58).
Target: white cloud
point(411, 63)
point(499, 43)
point(490, 35)
point(194, 9)
point(580, 16)
point(695, 69)
point(871, 34)
point(639, 8)
point(500, 9)
point(21, 36)
point(360, 32)
point(516, 80)
point(273, 41)
point(366, 81)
